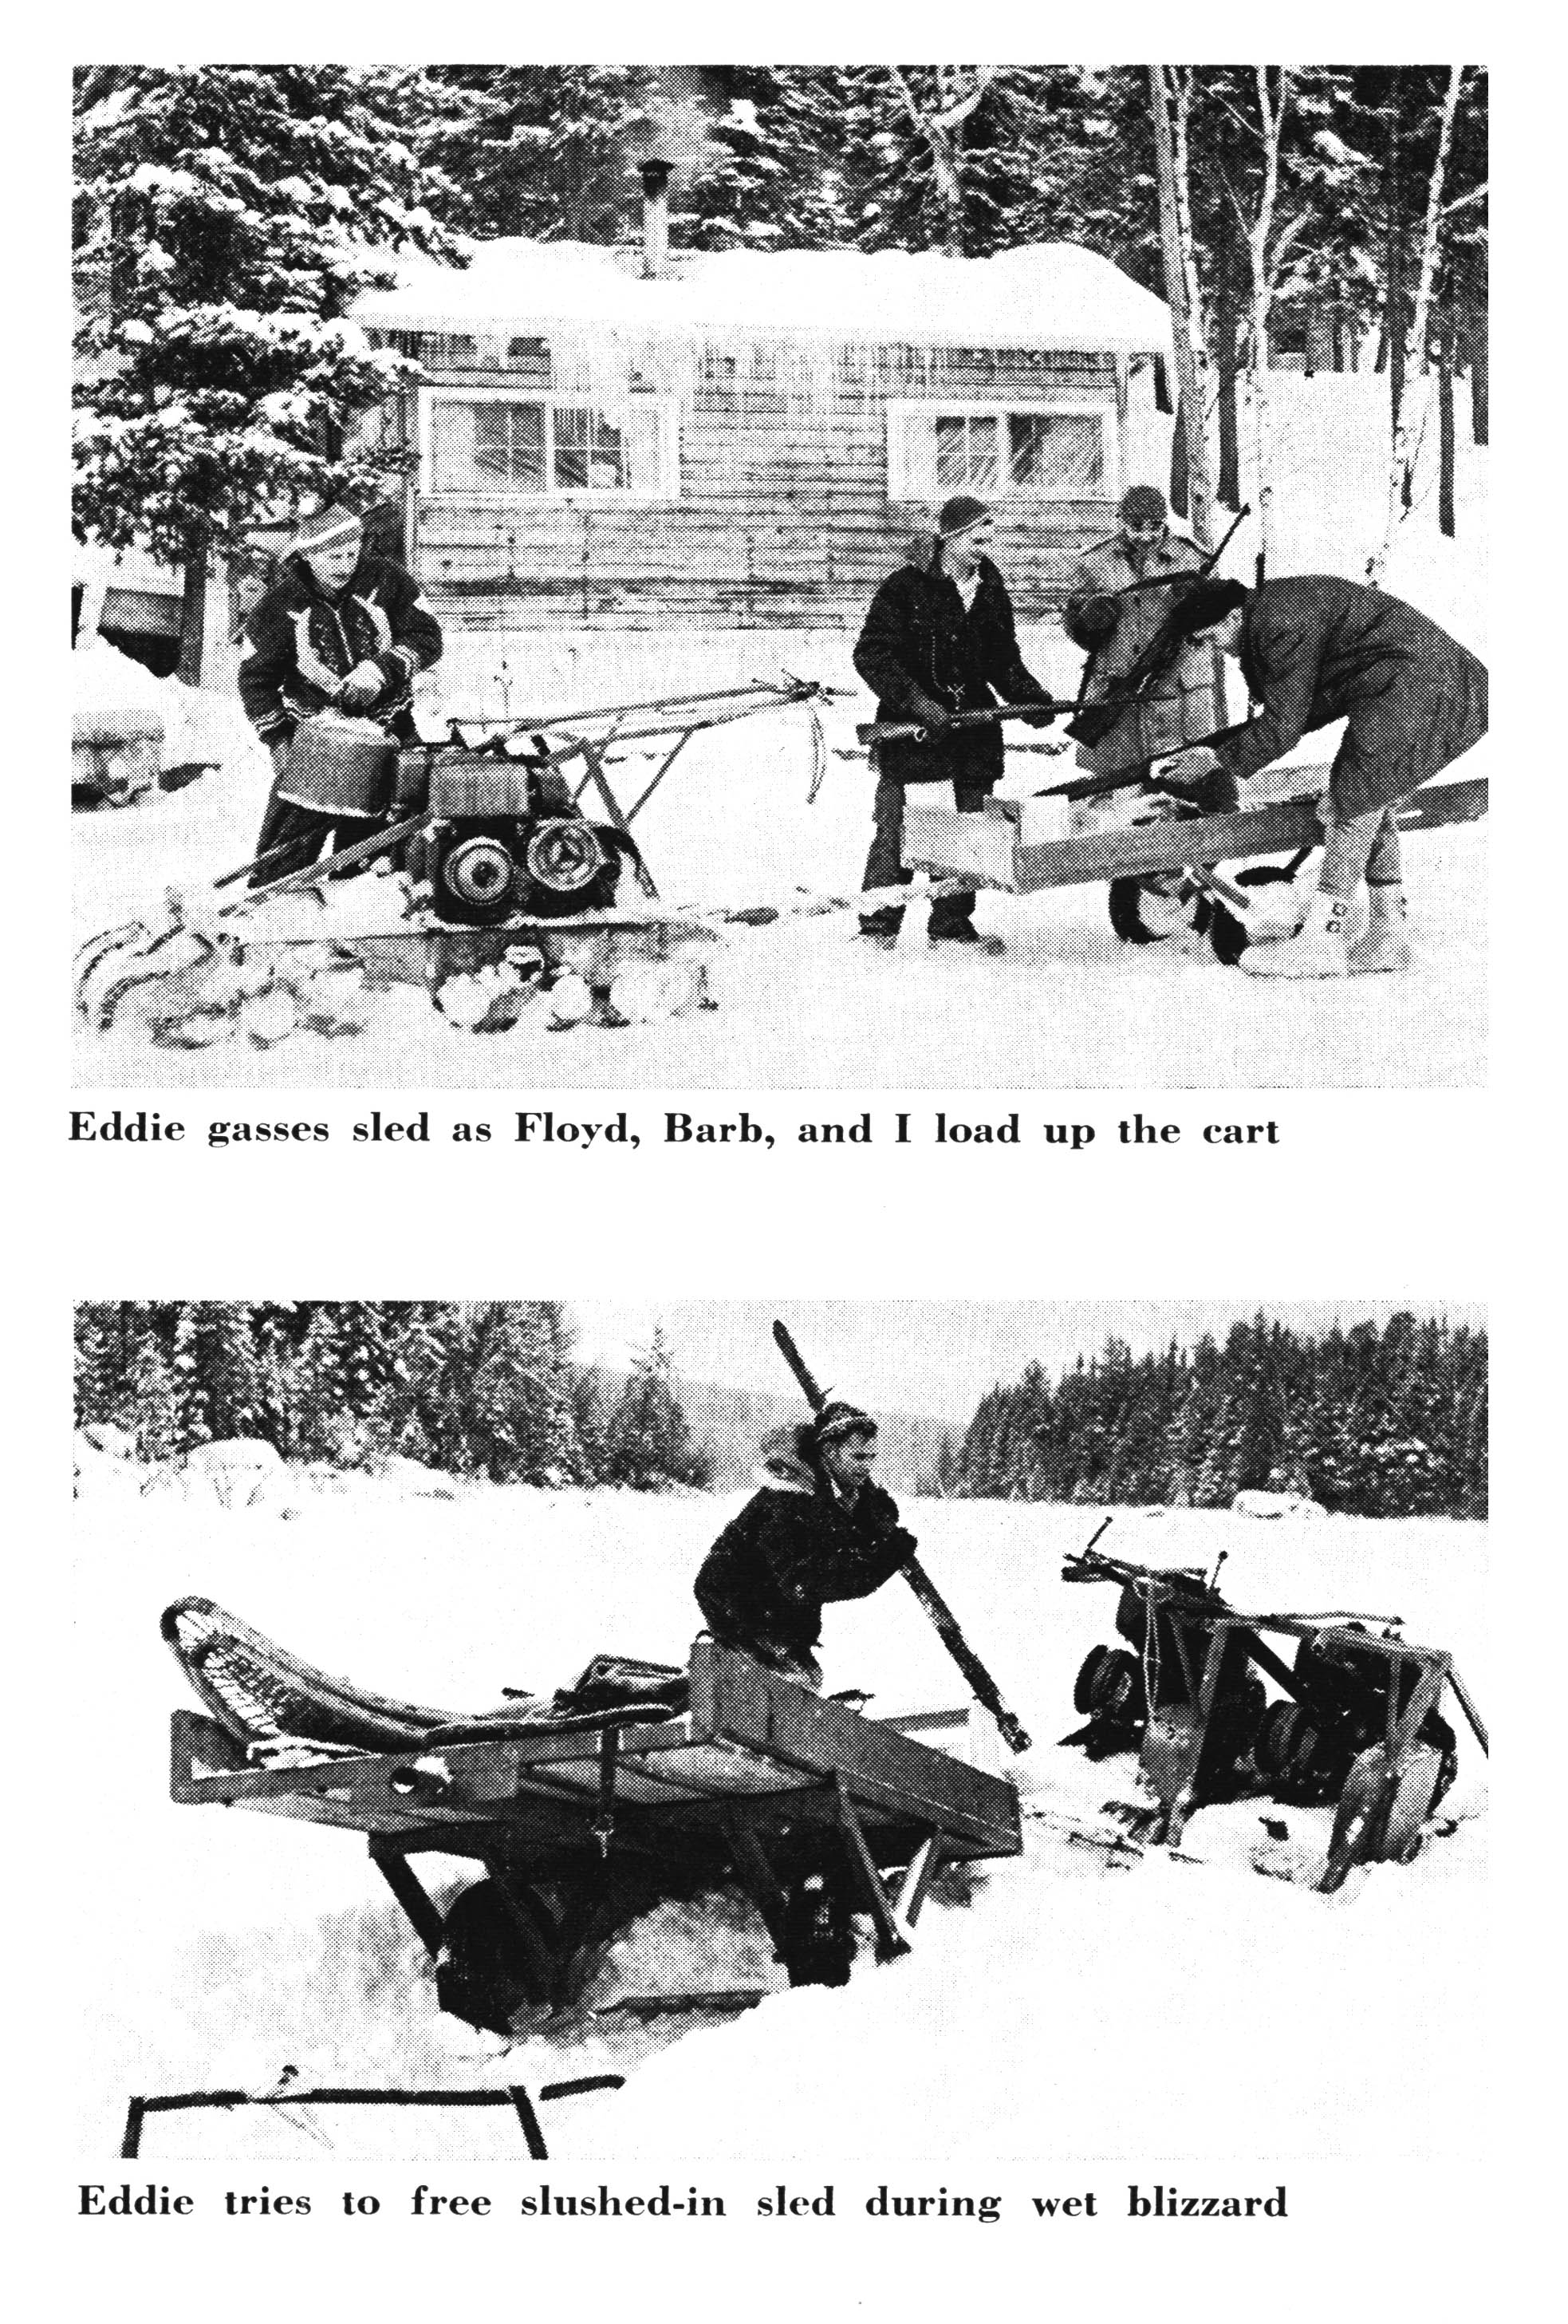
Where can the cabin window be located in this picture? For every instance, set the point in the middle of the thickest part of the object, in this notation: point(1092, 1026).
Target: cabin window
point(492, 443)
point(1014, 451)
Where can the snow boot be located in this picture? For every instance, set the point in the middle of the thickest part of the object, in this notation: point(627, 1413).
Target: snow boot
point(964, 932)
point(1386, 946)
point(1319, 949)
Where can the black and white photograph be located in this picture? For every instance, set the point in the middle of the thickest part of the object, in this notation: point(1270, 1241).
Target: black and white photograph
point(738, 576)
point(865, 1729)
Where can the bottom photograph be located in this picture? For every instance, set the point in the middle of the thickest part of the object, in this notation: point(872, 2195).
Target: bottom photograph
point(945, 1730)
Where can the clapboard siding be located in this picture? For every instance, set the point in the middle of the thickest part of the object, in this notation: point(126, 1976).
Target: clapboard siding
point(782, 518)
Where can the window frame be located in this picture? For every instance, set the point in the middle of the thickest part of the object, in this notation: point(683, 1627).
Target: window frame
point(554, 495)
point(904, 412)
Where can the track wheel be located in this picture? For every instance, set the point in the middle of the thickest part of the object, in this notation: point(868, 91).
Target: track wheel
point(1083, 1685)
point(1116, 1690)
point(482, 1975)
point(1148, 911)
point(819, 1935)
point(1226, 933)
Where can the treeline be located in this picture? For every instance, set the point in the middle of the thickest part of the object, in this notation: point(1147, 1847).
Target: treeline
point(1388, 1422)
point(480, 1389)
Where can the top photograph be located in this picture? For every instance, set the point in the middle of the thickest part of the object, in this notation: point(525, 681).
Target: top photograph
point(786, 576)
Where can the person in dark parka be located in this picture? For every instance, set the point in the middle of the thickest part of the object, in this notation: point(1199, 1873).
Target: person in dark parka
point(1313, 648)
point(939, 638)
point(819, 1530)
point(339, 630)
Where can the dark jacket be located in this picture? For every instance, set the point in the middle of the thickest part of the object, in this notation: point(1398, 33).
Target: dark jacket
point(1315, 649)
point(794, 1547)
point(919, 640)
point(299, 641)
point(1113, 613)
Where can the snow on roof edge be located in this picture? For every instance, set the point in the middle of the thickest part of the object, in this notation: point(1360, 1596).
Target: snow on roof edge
point(1045, 295)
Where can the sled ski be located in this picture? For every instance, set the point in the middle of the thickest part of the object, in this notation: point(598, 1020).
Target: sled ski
point(1358, 1722)
point(990, 850)
point(724, 1774)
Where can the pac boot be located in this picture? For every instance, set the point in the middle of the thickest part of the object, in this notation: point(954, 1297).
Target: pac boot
point(1319, 949)
point(1386, 946)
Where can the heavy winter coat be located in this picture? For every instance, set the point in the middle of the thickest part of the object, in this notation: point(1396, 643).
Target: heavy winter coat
point(794, 1547)
point(299, 642)
point(1113, 619)
point(919, 639)
point(1315, 649)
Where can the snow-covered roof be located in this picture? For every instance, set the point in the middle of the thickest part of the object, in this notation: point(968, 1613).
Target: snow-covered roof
point(1048, 295)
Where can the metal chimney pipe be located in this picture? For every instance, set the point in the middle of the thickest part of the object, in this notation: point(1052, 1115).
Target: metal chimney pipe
point(656, 177)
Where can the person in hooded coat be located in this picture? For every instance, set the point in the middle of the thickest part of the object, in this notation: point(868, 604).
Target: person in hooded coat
point(340, 630)
point(820, 1530)
point(1313, 649)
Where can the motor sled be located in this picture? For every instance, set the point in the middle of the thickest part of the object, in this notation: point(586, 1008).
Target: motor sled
point(1356, 1723)
point(497, 887)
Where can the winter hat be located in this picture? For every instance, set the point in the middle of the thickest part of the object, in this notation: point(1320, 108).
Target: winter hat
point(1203, 605)
point(323, 529)
point(838, 1420)
point(1142, 504)
point(958, 515)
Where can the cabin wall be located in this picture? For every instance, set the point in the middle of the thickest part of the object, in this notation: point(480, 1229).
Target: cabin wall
point(782, 521)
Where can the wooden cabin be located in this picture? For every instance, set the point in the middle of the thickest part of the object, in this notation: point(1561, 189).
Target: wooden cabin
point(611, 441)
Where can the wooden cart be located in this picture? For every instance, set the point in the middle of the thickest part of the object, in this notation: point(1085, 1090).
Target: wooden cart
point(815, 1810)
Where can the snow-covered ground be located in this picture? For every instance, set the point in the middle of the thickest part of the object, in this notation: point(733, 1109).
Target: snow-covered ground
point(1078, 2003)
point(802, 1004)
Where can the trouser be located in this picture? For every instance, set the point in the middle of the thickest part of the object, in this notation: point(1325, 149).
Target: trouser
point(1361, 846)
point(885, 863)
point(300, 835)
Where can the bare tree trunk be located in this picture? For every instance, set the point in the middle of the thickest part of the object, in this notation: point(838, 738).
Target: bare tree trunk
point(1228, 354)
point(1392, 350)
point(1406, 431)
point(1169, 98)
point(1479, 352)
point(193, 604)
point(1273, 104)
point(959, 90)
point(1446, 430)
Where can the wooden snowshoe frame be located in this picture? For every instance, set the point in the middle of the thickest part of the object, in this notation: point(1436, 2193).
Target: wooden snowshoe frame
point(989, 847)
point(1185, 1760)
point(583, 1823)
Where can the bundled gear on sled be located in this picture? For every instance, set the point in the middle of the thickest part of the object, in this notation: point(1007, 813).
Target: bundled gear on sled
point(1357, 1723)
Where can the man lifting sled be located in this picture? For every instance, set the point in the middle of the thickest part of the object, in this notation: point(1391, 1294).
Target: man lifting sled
point(1313, 648)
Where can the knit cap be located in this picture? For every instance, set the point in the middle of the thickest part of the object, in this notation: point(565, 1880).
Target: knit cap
point(958, 515)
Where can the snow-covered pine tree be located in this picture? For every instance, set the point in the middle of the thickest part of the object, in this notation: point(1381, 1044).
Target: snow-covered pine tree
point(226, 219)
point(544, 150)
point(647, 1440)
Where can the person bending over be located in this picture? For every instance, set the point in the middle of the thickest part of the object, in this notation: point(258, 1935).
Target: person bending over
point(819, 1530)
point(1313, 648)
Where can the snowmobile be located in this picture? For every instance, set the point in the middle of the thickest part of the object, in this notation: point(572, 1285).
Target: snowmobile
point(499, 886)
point(638, 1784)
point(1357, 1723)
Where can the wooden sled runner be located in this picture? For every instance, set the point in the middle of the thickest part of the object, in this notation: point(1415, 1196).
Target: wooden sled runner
point(584, 1821)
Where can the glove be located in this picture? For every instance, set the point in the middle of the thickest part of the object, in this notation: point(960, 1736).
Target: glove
point(361, 688)
point(1186, 769)
point(926, 713)
point(904, 1542)
point(1041, 717)
point(281, 746)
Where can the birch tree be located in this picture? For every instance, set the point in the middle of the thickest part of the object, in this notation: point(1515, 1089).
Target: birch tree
point(1170, 103)
point(1414, 389)
point(939, 119)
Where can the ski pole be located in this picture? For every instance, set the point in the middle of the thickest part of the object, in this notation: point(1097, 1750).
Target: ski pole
point(931, 1601)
